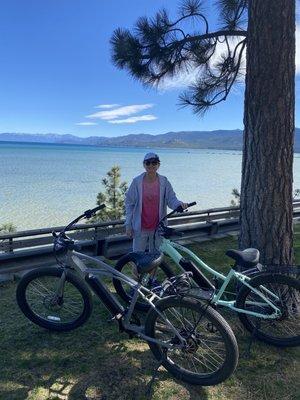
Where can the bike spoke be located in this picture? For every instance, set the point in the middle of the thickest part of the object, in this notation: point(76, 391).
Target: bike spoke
point(208, 353)
point(286, 326)
point(42, 297)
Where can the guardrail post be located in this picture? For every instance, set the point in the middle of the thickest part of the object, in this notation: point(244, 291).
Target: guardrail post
point(10, 246)
point(96, 240)
point(214, 228)
point(208, 217)
point(99, 243)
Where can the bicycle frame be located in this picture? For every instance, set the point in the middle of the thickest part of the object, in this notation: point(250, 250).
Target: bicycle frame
point(76, 260)
point(173, 250)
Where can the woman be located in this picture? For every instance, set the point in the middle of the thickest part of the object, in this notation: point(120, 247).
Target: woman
point(146, 203)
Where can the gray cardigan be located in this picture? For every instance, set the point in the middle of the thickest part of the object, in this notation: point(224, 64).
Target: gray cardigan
point(134, 200)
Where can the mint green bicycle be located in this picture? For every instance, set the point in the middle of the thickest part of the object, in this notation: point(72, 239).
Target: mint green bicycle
point(267, 303)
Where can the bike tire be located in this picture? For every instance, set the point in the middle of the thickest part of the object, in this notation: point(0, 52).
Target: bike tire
point(34, 282)
point(264, 329)
point(121, 264)
point(212, 319)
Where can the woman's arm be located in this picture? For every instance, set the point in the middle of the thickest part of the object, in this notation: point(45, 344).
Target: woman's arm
point(171, 199)
point(130, 201)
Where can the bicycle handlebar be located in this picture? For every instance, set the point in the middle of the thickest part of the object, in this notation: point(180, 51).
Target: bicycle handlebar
point(87, 214)
point(179, 209)
point(62, 242)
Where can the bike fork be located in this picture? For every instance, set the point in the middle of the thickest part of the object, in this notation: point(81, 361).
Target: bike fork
point(61, 285)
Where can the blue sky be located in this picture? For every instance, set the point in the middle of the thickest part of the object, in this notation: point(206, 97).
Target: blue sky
point(56, 71)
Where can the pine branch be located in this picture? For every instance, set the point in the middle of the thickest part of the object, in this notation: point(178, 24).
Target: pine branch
point(159, 48)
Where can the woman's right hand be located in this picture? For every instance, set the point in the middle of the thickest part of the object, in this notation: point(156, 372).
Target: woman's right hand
point(129, 233)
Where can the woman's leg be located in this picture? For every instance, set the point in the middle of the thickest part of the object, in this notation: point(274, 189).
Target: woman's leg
point(143, 241)
point(140, 241)
point(153, 248)
point(154, 244)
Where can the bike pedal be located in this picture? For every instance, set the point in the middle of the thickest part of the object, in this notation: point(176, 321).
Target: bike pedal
point(117, 318)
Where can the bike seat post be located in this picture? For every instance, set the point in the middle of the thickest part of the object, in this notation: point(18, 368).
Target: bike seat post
point(132, 305)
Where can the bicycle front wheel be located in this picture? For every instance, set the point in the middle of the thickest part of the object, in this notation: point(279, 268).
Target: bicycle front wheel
point(38, 299)
point(284, 292)
point(210, 354)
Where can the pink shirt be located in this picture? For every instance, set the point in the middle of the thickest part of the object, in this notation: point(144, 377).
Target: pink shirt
point(150, 206)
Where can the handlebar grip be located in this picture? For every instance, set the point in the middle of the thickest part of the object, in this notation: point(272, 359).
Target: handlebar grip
point(180, 209)
point(98, 208)
point(89, 213)
point(93, 210)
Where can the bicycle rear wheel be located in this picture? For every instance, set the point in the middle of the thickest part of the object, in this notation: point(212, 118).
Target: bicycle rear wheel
point(211, 352)
point(126, 265)
point(284, 331)
point(38, 300)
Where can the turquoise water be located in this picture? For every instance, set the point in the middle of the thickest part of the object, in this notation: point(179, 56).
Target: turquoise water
point(46, 185)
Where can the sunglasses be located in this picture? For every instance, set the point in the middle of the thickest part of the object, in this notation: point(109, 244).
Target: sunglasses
point(155, 162)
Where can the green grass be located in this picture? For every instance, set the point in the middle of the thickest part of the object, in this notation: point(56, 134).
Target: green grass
point(96, 362)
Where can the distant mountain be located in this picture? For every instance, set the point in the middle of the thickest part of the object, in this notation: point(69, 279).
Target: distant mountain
point(220, 139)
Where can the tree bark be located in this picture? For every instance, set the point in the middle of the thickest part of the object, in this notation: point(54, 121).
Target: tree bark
point(267, 169)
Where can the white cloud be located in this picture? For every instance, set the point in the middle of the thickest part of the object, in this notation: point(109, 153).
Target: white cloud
point(179, 81)
point(132, 120)
point(86, 123)
point(107, 106)
point(120, 112)
point(188, 77)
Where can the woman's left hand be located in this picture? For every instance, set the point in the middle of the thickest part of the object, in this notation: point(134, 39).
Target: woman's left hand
point(184, 205)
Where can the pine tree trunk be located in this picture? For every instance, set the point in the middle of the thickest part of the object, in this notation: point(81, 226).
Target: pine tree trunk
point(267, 170)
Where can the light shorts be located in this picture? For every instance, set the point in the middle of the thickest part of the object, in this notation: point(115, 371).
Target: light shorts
point(144, 241)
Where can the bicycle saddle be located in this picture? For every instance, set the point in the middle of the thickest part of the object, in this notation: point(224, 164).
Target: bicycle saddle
point(145, 262)
point(244, 258)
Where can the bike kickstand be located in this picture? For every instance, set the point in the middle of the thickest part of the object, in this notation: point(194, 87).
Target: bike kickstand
point(247, 352)
point(154, 376)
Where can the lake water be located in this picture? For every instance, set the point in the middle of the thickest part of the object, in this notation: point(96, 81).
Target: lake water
point(45, 185)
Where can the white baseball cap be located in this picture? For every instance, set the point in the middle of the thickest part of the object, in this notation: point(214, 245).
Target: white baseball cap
point(151, 156)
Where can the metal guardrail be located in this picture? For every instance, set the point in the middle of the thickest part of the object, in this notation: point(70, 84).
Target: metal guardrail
point(24, 249)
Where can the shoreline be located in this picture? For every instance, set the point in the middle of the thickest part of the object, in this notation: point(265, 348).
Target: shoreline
point(183, 148)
